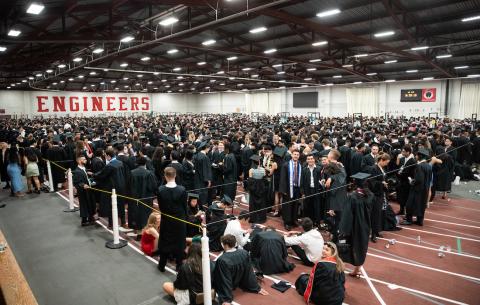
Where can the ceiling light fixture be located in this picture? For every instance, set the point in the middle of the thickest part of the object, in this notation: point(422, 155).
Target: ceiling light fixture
point(319, 43)
point(177, 69)
point(389, 80)
point(281, 72)
point(49, 71)
point(124, 64)
point(347, 66)
point(61, 66)
point(269, 51)
point(127, 38)
point(371, 73)
point(172, 51)
point(14, 33)
point(391, 61)
point(35, 8)
point(98, 50)
point(208, 42)
point(315, 60)
point(146, 58)
point(461, 67)
point(471, 18)
point(3, 49)
point(356, 83)
point(232, 58)
point(258, 30)
point(362, 55)
point(412, 71)
point(246, 69)
point(201, 63)
point(443, 56)
point(328, 13)
point(311, 69)
point(337, 76)
point(384, 34)
point(419, 48)
point(93, 73)
point(168, 21)
point(428, 78)
point(77, 59)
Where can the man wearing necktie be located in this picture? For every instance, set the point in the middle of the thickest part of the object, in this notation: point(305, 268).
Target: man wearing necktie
point(86, 197)
point(290, 183)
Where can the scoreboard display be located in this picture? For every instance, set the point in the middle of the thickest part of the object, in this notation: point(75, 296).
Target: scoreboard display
point(418, 95)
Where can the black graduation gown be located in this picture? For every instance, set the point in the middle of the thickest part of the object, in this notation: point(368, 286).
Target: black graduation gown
point(269, 253)
point(417, 199)
point(143, 184)
point(193, 230)
point(4, 164)
point(217, 157)
point(96, 166)
point(179, 169)
point(203, 174)
point(345, 157)
point(403, 187)
point(233, 269)
point(443, 174)
point(257, 190)
point(188, 175)
point(355, 224)
point(113, 176)
point(356, 163)
point(367, 161)
point(58, 155)
point(86, 197)
point(173, 202)
point(379, 201)
point(289, 210)
point(215, 229)
point(328, 286)
point(230, 175)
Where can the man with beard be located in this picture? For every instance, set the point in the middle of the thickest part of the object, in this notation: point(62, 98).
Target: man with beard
point(86, 197)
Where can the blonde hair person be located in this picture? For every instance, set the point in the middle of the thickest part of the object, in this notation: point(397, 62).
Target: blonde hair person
point(326, 282)
point(150, 235)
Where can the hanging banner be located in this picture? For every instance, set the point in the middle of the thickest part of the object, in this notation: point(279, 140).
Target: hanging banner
point(418, 95)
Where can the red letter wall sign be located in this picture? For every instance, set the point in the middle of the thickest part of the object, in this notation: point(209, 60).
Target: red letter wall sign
point(91, 103)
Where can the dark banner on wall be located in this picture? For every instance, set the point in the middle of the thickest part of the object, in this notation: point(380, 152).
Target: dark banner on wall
point(418, 95)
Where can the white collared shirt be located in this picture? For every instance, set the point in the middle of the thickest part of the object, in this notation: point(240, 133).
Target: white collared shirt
point(235, 228)
point(312, 184)
point(171, 184)
point(311, 242)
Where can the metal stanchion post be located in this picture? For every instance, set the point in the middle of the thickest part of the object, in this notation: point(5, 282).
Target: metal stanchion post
point(116, 243)
point(50, 179)
point(71, 207)
point(207, 287)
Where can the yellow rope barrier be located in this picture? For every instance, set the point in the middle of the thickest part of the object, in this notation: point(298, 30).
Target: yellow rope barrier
point(132, 199)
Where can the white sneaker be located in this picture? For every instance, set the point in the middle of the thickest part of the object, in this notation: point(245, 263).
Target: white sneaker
point(457, 180)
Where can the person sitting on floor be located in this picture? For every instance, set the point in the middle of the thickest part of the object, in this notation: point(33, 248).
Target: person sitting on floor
point(217, 222)
point(269, 252)
point(233, 269)
point(307, 245)
point(235, 227)
point(189, 282)
point(149, 241)
point(326, 283)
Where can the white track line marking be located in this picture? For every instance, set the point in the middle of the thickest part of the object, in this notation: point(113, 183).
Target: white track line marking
point(453, 223)
point(426, 267)
point(429, 248)
point(135, 248)
point(459, 218)
point(440, 234)
point(370, 284)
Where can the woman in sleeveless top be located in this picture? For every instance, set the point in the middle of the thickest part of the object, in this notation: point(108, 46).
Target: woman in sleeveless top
point(150, 234)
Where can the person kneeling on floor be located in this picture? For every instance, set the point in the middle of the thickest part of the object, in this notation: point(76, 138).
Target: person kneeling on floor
point(326, 283)
point(233, 269)
point(307, 245)
point(149, 241)
point(188, 286)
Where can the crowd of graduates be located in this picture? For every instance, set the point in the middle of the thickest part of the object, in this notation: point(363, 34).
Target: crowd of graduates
point(327, 178)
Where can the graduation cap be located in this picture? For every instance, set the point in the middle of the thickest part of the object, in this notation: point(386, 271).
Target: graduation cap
point(279, 151)
point(202, 145)
point(423, 152)
point(193, 196)
point(227, 200)
point(267, 147)
point(360, 176)
point(255, 158)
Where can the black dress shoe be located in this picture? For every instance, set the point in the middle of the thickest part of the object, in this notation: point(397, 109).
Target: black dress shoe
point(379, 235)
point(406, 223)
point(374, 239)
point(418, 223)
point(288, 227)
point(6, 187)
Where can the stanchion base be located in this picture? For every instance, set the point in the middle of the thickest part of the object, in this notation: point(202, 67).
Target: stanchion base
point(111, 245)
point(70, 210)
